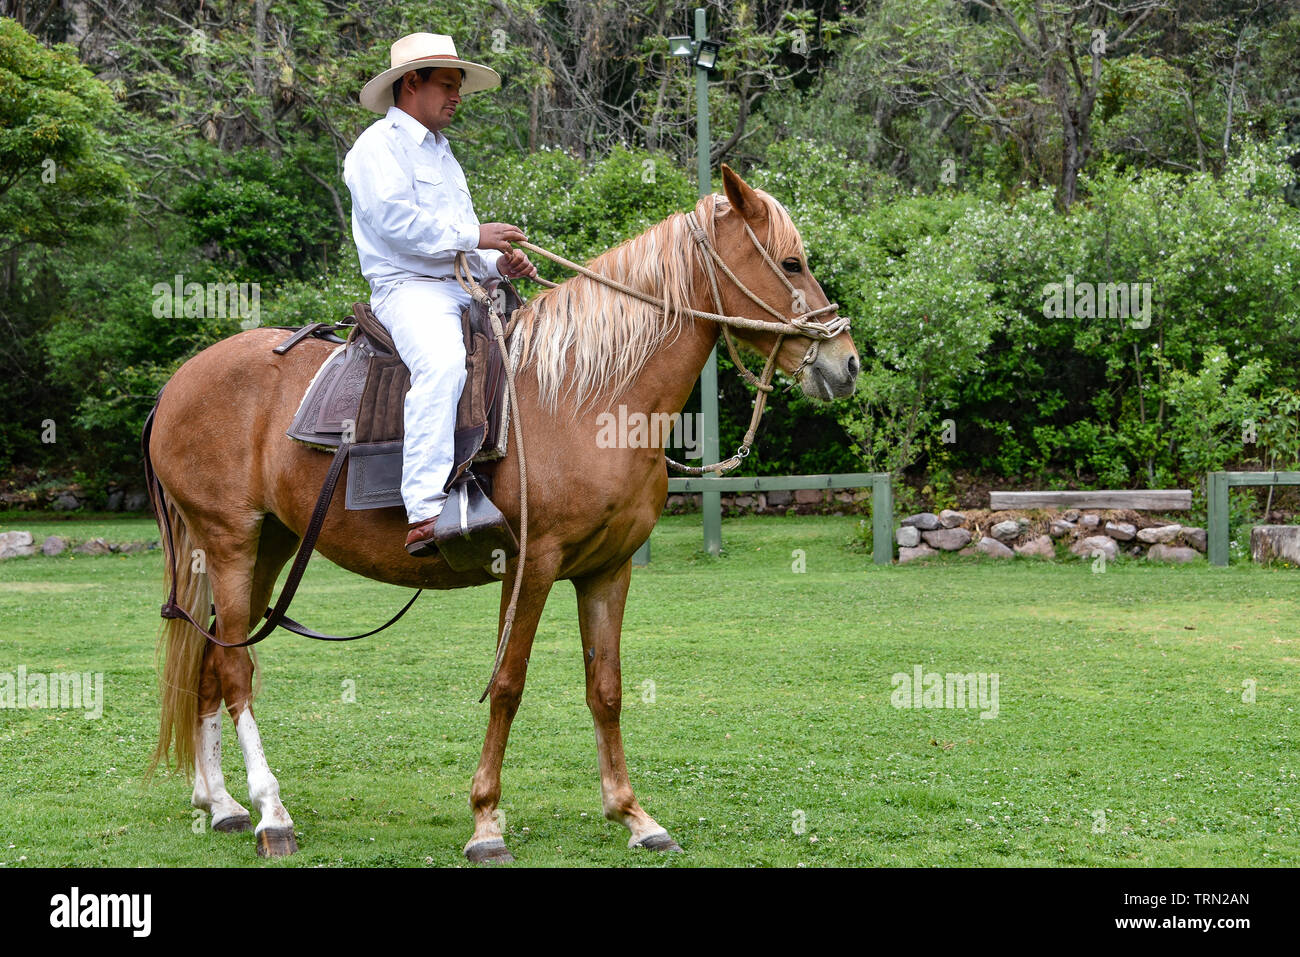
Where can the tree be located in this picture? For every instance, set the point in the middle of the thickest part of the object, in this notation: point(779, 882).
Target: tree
point(59, 183)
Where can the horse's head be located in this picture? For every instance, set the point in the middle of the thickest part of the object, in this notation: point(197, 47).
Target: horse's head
point(781, 280)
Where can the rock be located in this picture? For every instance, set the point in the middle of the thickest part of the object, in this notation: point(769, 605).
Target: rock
point(925, 521)
point(675, 501)
point(1040, 547)
point(908, 537)
point(1070, 515)
point(96, 546)
point(1160, 533)
point(1195, 537)
point(16, 544)
point(844, 498)
point(1103, 543)
point(128, 548)
point(15, 539)
point(912, 554)
point(1120, 531)
point(114, 501)
point(1172, 553)
point(993, 548)
point(947, 539)
point(809, 496)
point(1275, 543)
point(1089, 521)
point(136, 502)
point(1005, 531)
point(779, 498)
point(862, 495)
point(53, 545)
point(744, 501)
point(65, 503)
point(950, 519)
point(1061, 528)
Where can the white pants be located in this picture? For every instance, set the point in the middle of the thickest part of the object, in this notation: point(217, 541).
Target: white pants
point(423, 317)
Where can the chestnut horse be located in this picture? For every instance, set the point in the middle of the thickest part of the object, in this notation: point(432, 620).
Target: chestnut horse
point(236, 487)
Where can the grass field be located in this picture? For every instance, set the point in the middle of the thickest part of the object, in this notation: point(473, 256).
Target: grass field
point(756, 698)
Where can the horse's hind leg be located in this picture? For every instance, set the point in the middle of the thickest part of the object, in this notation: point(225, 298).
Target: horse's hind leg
point(601, 599)
point(210, 792)
point(243, 569)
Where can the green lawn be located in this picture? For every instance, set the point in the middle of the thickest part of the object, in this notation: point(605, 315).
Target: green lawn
point(1121, 738)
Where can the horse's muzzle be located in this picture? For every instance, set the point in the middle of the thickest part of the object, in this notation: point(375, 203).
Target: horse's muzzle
point(831, 377)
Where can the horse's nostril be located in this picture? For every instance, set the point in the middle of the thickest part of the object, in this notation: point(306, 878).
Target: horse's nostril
point(852, 366)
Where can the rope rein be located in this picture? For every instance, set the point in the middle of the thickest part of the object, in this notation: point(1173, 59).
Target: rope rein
point(480, 294)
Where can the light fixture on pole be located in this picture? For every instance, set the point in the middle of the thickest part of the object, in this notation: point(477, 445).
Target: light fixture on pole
point(681, 46)
point(707, 55)
point(703, 53)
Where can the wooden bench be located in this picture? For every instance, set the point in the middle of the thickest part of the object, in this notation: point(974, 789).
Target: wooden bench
point(1145, 500)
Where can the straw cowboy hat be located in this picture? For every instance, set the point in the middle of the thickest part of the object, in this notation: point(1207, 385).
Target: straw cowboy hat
point(415, 51)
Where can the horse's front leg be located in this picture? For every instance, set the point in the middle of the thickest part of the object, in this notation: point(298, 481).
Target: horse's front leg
point(488, 844)
point(601, 599)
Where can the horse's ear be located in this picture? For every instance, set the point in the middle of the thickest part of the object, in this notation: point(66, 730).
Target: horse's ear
point(742, 197)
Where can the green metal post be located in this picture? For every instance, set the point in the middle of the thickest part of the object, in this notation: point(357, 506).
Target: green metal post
point(709, 375)
point(882, 519)
point(1217, 493)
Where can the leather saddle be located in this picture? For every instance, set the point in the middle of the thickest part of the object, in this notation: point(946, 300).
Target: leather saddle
point(360, 391)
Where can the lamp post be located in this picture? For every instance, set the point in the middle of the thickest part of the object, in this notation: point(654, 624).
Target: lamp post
point(704, 53)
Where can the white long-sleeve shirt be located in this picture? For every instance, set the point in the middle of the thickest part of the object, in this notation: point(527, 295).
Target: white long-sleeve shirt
point(411, 208)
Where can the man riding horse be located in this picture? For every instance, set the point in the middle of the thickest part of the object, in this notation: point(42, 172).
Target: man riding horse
point(411, 215)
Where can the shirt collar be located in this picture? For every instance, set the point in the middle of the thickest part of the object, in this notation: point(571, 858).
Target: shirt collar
point(413, 128)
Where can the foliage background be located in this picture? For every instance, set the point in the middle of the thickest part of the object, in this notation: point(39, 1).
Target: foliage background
point(945, 161)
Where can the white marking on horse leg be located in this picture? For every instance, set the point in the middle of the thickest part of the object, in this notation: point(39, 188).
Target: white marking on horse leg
point(210, 792)
point(263, 788)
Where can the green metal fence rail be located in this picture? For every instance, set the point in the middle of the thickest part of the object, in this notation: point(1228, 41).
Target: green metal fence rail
point(882, 500)
point(1218, 484)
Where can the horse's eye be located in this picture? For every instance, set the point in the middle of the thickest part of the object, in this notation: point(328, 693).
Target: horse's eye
point(792, 265)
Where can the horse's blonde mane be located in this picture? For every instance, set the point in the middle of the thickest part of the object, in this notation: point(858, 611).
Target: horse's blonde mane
point(585, 339)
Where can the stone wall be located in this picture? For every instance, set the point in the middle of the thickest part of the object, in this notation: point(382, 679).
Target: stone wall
point(1047, 534)
point(15, 544)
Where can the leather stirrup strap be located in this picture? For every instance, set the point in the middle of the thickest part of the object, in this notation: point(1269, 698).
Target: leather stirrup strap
point(275, 617)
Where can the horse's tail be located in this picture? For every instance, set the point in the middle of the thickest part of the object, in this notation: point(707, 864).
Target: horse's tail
point(180, 646)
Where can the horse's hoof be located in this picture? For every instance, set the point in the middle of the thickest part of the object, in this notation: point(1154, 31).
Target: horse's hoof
point(233, 824)
point(659, 841)
point(491, 851)
point(276, 842)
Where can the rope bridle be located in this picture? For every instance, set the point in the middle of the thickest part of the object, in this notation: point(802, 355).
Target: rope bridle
point(803, 324)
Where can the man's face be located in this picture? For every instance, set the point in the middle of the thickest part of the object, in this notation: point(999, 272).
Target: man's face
point(433, 102)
